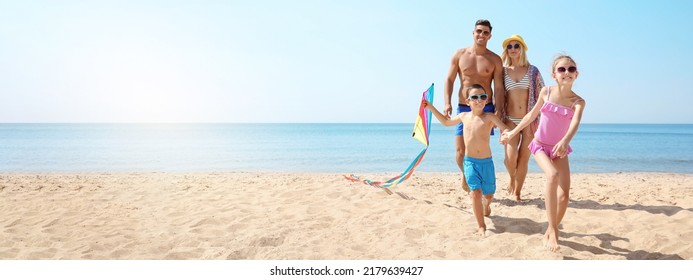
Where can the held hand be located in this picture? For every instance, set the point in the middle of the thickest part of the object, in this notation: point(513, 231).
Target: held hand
point(504, 138)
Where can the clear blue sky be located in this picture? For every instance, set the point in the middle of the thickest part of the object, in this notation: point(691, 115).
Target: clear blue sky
point(321, 60)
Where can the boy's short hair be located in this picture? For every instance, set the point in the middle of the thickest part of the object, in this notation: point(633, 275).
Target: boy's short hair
point(484, 22)
point(475, 86)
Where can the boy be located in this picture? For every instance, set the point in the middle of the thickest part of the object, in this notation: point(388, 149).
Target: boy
point(478, 165)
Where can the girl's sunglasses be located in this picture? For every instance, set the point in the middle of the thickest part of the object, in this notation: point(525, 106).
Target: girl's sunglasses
point(478, 96)
point(510, 46)
point(570, 69)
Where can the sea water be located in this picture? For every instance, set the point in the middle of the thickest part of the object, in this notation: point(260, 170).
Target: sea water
point(341, 148)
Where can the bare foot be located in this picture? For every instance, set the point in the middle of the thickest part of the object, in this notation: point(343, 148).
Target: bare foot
point(511, 187)
point(481, 232)
point(517, 198)
point(551, 241)
point(487, 207)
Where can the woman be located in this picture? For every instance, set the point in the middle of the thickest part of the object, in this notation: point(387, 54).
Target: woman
point(523, 82)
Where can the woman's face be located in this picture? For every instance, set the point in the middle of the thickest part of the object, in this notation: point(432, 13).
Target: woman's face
point(514, 49)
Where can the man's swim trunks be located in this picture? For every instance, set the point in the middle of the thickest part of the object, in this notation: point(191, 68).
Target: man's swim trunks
point(480, 173)
point(490, 108)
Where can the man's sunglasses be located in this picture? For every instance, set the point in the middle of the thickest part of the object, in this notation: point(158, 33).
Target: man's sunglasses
point(479, 31)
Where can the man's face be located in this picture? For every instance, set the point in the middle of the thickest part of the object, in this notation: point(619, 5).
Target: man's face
point(481, 34)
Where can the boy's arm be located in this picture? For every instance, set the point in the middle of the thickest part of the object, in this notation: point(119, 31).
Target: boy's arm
point(441, 118)
point(496, 120)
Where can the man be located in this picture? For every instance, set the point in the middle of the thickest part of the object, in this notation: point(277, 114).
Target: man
point(474, 65)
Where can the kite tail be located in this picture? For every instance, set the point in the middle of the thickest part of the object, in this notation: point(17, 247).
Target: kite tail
point(421, 133)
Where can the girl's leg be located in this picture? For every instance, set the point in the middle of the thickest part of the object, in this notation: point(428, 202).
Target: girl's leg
point(522, 161)
point(550, 199)
point(563, 166)
point(511, 158)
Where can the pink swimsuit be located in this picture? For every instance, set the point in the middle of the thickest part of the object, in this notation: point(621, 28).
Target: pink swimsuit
point(553, 125)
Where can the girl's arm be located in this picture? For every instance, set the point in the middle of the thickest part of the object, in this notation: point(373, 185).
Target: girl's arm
point(561, 148)
point(441, 118)
point(529, 117)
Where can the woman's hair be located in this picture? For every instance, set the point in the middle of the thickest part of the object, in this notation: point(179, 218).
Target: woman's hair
point(509, 62)
point(559, 57)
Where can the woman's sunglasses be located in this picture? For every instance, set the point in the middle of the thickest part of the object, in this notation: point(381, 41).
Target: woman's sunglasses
point(570, 69)
point(478, 96)
point(511, 46)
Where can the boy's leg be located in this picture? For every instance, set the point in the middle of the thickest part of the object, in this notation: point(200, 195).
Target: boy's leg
point(487, 204)
point(477, 208)
point(459, 157)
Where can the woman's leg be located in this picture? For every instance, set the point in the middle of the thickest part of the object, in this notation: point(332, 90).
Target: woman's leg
point(511, 158)
point(522, 161)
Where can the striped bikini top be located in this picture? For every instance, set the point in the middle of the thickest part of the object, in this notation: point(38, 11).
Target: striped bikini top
point(511, 84)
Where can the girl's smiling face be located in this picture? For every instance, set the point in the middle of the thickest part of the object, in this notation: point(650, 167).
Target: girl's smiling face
point(564, 71)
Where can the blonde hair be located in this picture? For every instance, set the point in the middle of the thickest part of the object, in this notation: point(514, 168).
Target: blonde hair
point(522, 61)
point(559, 57)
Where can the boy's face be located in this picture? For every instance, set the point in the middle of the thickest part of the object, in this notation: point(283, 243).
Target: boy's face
point(477, 98)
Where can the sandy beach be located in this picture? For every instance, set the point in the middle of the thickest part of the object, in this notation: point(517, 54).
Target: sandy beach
point(269, 216)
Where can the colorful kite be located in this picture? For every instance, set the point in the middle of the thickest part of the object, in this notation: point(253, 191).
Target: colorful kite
point(421, 132)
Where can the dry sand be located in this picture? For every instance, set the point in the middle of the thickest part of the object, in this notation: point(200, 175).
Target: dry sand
point(261, 216)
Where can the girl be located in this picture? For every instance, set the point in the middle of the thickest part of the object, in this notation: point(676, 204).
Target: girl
point(523, 82)
point(561, 110)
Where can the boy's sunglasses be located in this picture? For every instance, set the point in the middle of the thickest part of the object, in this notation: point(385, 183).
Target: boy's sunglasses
point(570, 69)
point(478, 96)
point(510, 46)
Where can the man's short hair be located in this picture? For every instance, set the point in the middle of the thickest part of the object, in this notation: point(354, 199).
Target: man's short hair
point(484, 22)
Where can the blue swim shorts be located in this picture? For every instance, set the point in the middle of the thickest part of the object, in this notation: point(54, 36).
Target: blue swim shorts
point(480, 173)
point(490, 108)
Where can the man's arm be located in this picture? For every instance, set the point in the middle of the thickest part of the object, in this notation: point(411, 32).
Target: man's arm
point(450, 82)
point(499, 87)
